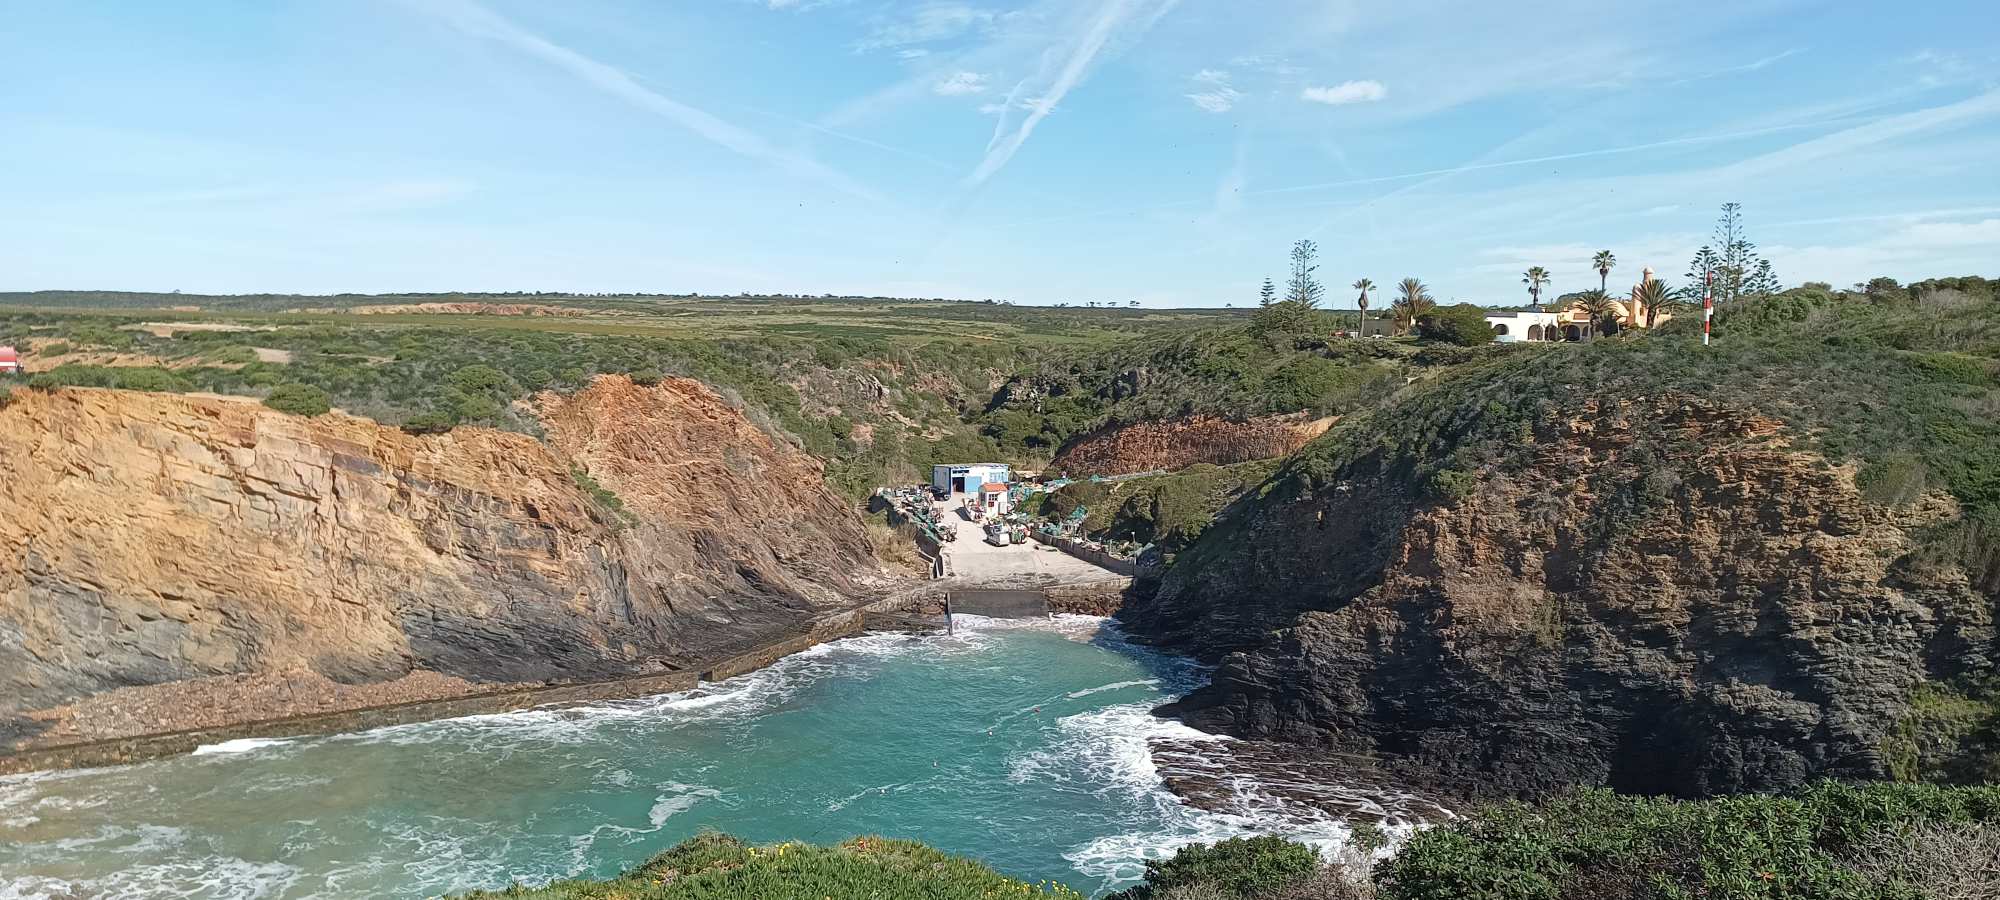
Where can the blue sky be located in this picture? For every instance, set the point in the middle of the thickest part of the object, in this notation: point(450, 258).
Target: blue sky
point(1065, 150)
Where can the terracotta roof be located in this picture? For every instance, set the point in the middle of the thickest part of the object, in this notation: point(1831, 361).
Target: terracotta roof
point(992, 487)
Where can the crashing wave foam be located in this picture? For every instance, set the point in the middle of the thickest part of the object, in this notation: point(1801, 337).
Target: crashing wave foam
point(1114, 686)
point(240, 745)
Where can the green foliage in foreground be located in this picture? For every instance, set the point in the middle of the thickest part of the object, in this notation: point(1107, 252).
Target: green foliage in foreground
point(1830, 842)
point(714, 866)
point(1238, 867)
point(1815, 845)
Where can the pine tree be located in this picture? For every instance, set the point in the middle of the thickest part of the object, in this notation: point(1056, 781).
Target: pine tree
point(1705, 261)
point(1267, 294)
point(1738, 270)
point(1304, 289)
point(1763, 280)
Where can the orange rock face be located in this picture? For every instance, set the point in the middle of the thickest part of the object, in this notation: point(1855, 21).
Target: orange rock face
point(148, 538)
point(1177, 444)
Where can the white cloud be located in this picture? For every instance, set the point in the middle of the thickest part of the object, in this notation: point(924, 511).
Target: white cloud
point(1220, 96)
point(933, 21)
point(1927, 248)
point(1346, 92)
point(1984, 233)
point(1221, 100)
point(958, 84)
point(912, 53)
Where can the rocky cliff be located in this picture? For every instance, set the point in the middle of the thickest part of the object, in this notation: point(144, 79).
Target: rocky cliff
point(152, 538)
point(1508, 593)
point(1176, 444)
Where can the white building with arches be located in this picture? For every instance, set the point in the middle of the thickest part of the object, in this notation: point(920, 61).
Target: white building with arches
point(1515, 326)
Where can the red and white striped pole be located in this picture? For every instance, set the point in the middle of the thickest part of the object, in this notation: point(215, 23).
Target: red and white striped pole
point(1707, 303)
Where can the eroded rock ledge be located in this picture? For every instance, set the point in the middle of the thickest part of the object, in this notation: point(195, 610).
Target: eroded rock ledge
point(154, 538)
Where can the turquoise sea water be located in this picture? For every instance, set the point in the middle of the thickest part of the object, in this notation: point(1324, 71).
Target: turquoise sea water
point(1024, 746)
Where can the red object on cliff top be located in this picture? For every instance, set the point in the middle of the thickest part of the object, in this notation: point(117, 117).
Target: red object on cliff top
point(7, 355)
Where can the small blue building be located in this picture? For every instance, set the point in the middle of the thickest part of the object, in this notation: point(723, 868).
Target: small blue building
point(964, 477)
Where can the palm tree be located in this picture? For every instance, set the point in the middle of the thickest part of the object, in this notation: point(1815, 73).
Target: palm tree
point(1364, 286)
point(1413, 300)
point(1598, 306)
point(1603, 262)
point(1651, 296)
point(1534, 278)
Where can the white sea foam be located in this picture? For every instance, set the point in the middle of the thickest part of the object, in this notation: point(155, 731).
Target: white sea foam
point(209, 878)
point(676, 799)
point(32, 888)
point(444, 855)
point(1114, 686)
point(1112, 748)
point(164, 862)
point(240, 745)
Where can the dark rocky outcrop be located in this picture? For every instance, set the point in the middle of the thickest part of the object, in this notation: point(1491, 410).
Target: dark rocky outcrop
point(1663, 595)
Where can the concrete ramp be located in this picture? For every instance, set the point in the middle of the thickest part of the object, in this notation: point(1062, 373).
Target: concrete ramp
point(999, 604)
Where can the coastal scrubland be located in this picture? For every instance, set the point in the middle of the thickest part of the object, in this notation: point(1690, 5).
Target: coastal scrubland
point(1830, 841)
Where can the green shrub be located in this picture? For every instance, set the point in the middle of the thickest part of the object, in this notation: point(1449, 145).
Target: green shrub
point(1247, 867)
point(1461, 324)
point(1308, 383)
point(131, 378)
point(718, 867)
point(647, 377)
point(482, 379)
point(1452, 485)
point(476, 408)
point(230, 355)
point(1952, 368)
point(431, 423)
point(1594, 843)
point(609, 500)
point(299, 400)
point(147, 378)
point(1949, 733)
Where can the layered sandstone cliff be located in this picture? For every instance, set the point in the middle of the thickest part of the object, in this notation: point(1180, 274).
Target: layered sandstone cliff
point(151, 538)
point(1658, 594)
point(1176, 444)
